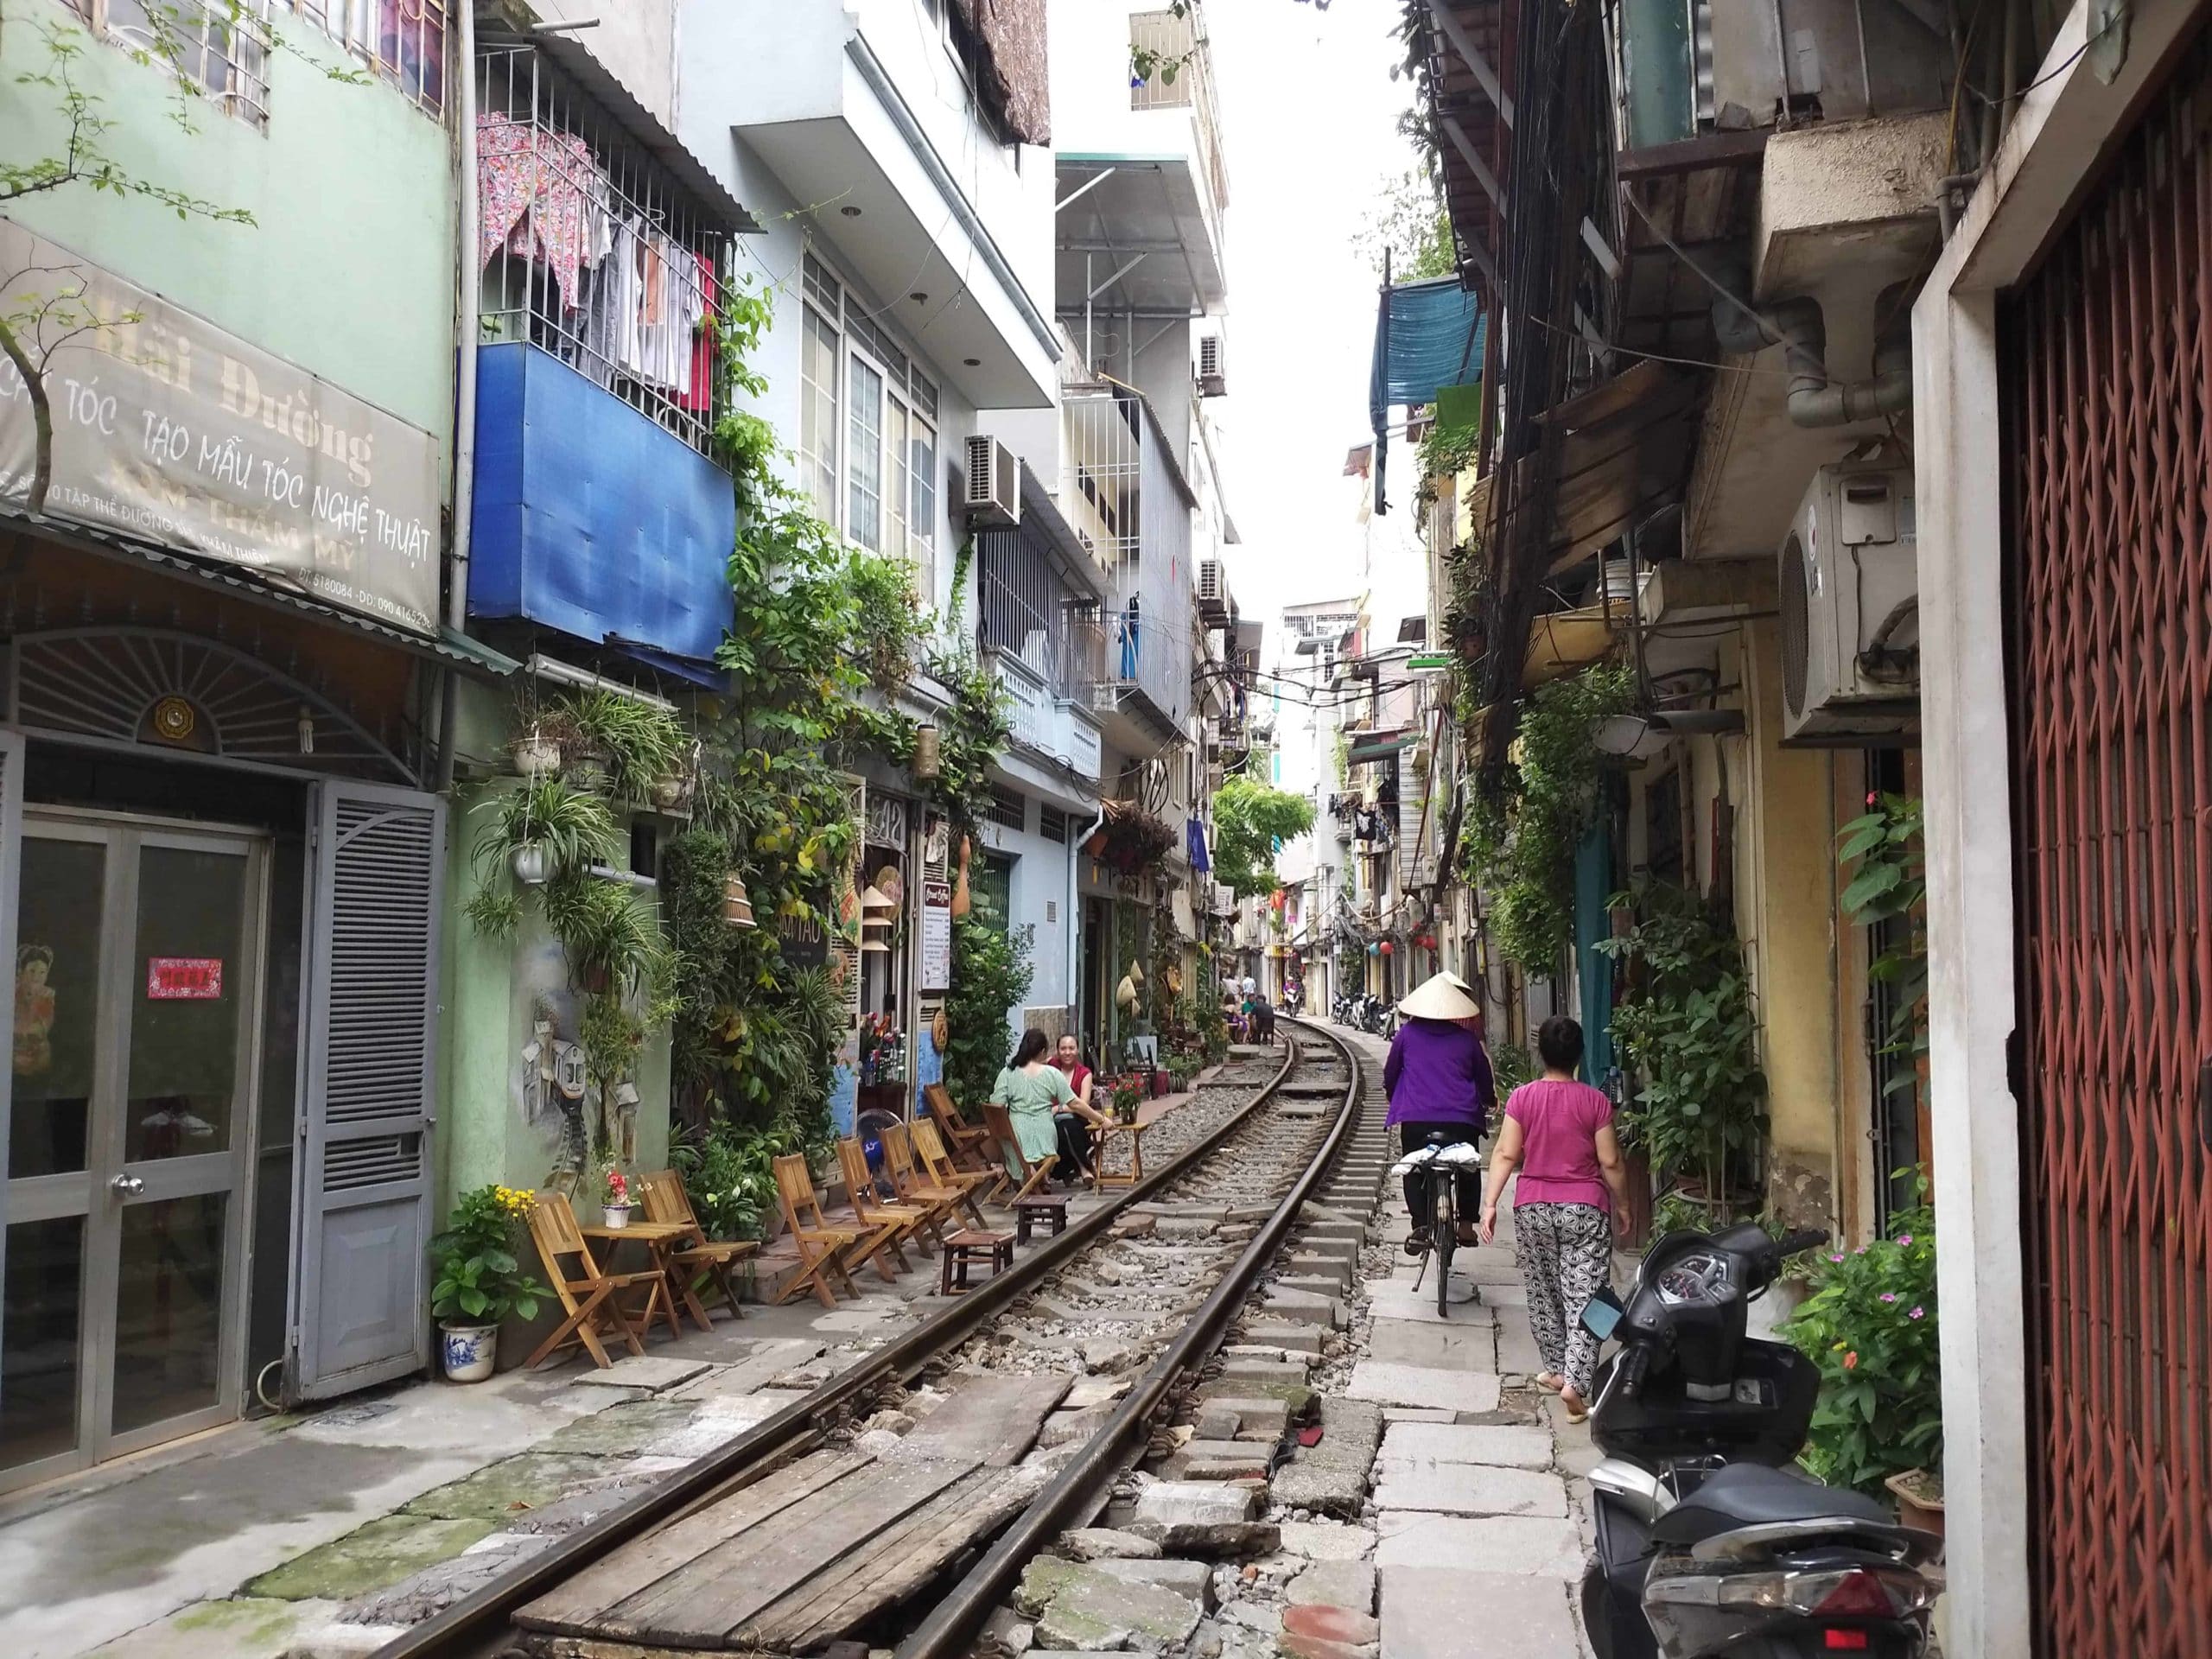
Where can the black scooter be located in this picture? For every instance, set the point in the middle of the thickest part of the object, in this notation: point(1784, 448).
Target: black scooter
point(1708, 1545)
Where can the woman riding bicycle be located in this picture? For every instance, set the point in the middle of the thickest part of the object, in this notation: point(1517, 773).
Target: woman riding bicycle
point(1439, 1081)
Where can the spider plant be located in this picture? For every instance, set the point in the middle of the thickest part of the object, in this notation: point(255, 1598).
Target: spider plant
point(607, 934)
point(570, 829)
point(642, 744)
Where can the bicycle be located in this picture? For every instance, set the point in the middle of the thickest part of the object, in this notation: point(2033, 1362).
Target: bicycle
point(1439, 1167)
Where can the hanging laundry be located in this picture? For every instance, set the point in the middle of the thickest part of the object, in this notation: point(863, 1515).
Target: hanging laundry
point(698, 392)
point(535, 194)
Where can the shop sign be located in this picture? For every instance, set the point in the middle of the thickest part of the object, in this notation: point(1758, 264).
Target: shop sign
point(936, 935)
point(184, 979)
point(166, 429)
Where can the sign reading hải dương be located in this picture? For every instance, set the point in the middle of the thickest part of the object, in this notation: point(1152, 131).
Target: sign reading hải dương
point(168, 429)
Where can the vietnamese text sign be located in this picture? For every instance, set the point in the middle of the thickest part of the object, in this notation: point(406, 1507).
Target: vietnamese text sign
point(936, 935)
point(168, 429)
point(184, 979)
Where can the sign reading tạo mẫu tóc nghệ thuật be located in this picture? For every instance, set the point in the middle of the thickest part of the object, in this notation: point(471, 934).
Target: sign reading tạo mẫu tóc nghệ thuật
point(168, 430)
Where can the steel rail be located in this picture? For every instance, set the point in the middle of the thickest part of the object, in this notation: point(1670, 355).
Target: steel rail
point(464, 1627)
point(944, 1632)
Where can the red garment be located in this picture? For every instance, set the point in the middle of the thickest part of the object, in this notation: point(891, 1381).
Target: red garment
point(699, 394)
point(1078, 1075)
point(1559, 1121)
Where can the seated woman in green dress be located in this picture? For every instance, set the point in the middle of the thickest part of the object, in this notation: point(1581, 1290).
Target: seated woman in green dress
point(1031, 1088)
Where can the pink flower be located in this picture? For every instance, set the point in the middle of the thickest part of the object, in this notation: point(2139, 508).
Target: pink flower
point(1888, 1295)
point(1873, 798)
point(1850, 1361)
point(1905, 1238)
point(1861, 1251)
point(1837, 1257)
point(1917, 1312)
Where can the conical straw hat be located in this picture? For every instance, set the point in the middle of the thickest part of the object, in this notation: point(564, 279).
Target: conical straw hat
point(1439, 998)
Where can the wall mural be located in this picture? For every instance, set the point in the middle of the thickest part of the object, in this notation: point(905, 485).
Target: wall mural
point(554, 1093)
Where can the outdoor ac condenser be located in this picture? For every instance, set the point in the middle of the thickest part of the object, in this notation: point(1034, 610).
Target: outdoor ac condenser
point(1213, 371)
point(993, 495)
point(1847, 585)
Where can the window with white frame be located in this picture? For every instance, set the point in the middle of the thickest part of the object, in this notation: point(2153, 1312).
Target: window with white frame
point(867, 429)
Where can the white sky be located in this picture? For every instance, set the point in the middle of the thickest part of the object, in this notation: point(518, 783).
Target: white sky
point(1310, 114)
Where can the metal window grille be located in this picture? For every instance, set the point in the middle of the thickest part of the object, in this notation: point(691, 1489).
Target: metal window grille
point(611, 268)
point(1051, 825)
point(222, 53)
point(1179, 41)
point(402, 42)
point(2104, 354)
point(1008, 808)
point(1023, 608)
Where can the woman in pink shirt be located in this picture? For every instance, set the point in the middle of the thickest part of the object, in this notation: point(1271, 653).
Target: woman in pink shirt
point(1559, 1134)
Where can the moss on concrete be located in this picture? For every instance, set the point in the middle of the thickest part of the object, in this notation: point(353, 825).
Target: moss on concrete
point(512, 1486)
point(621, 1430)
point(370, 1557)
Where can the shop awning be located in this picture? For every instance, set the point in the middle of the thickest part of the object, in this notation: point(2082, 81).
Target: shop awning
point(1379, 746)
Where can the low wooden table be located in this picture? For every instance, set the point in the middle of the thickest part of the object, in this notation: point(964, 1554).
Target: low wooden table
point(662, 1239)
point(1101, 1177)
point(970, 1245)
point(1053, 1207)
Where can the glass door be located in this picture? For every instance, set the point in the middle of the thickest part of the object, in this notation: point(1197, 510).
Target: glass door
point(136, 1003)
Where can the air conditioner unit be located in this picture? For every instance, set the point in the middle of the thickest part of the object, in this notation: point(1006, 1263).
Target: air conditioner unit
point(993, 482)
point(1850, 608)
point(1215, 606)
point(1213, 374)
point(1105, 697)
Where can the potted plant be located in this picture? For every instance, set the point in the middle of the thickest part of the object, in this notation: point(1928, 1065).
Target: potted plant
point(535, 750)
point(614, 1198)
point(479, 1279)
point(1919, 1493)
point(635, 744)
point(1128, 1092)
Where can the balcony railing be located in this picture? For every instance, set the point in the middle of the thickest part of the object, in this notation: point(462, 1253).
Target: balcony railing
point(1126, 498)
point(591, 252)
point(1176, 43)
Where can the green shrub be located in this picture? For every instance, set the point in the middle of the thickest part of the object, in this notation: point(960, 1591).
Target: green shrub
point(990, 977)
point(1870, 1326)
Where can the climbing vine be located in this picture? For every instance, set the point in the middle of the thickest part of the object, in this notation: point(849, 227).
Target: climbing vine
point(1522, 831)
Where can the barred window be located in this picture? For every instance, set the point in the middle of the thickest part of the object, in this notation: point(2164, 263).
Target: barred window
point(1052, 824)
point(1008, 808)
point(221, 54)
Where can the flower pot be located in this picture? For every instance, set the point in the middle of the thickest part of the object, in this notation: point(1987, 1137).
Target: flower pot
point(534, 755)
point(1920, 1500)
point(587, 768)
point(531, 866)
point(468, 1352)
point(672, 794)
point(616, 1215)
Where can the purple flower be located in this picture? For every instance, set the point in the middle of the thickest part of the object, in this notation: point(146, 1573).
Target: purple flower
point(1861, 1251)
point(1905, 1238)
point(1888, 1295)
point(1835, 1258)
point(1917, 1312)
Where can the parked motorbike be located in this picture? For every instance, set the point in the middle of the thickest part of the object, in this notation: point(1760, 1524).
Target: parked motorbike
point(1707, 1544)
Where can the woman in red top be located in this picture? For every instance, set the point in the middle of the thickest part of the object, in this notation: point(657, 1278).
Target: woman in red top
point(1559, 1134)
point(1075, 1124)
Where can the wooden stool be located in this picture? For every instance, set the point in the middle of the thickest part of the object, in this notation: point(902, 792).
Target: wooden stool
point(968, 1245)
point(1051, 1205)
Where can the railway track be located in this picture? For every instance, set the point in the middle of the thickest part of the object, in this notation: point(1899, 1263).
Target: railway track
point(902, 1502)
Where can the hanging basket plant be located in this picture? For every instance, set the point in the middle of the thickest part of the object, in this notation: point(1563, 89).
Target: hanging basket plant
point(1135, 842)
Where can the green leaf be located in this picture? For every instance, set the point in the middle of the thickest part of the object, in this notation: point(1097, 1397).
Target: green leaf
point(1870, 884)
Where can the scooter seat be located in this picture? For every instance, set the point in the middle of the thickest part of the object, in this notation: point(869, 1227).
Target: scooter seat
point(1750, 1495)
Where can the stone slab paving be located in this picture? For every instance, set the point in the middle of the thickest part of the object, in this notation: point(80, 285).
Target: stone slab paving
point(1424, 1385)
point(1449, 1613)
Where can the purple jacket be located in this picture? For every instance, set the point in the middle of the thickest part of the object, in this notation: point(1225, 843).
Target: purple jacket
point(1438, 1072)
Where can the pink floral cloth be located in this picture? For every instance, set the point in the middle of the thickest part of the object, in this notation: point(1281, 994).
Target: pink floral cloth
point(530, 197)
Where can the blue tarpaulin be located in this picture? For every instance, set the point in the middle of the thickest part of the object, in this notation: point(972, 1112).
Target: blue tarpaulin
point(593, 519)
point(1427, 335)
point(1194, 833)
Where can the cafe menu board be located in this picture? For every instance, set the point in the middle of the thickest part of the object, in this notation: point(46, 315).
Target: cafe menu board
point(937, 935)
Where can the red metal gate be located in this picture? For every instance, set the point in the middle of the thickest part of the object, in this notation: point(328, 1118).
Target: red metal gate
point(2108, 365)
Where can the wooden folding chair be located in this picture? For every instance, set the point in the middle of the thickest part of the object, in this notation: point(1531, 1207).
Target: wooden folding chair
point(590, 1297)
point(698, 1260)
point(969, 1143)
point(937, 1168)
point(820, 1244)
point(940, 1203)
point(886, 1227)
point(1022, 1178)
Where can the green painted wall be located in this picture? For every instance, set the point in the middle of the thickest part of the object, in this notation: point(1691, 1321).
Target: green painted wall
point(492, 984)
point(348, 269)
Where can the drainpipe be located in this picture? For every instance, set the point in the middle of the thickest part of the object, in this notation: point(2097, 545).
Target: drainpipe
point(467, 322)
point(1799, 327)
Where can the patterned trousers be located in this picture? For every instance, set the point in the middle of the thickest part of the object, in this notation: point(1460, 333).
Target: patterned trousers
point(1566, 1254)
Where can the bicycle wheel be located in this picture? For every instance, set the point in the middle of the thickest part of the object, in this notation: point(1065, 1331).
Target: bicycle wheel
point(1447, 1238)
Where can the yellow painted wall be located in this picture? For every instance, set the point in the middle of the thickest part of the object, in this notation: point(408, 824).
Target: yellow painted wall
point(1786, 912)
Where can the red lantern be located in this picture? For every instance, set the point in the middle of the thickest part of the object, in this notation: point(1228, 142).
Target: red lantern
point(1385, 947)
